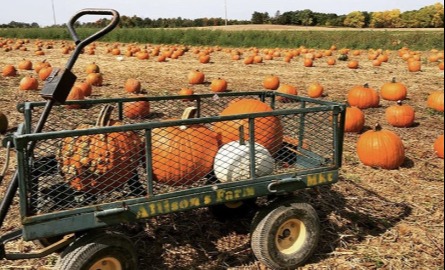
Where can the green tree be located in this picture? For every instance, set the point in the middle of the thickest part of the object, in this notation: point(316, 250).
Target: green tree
point(355, 19)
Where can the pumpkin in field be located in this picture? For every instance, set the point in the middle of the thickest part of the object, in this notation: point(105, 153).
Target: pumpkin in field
point(132, 86)
point(183, 155)
point(363, 97)
point(9, 71)
point(271, 82)
point(394, 91)
point(436, 101)
point(218, 85)
point(25, 65)
point(92, 68)
point(355, 120)
point(439, 146)
point(95, 79)
point(353, 64)
point(186, 92)
point(268, 130)
point(381, 148)
point(232, 162)
point(75, 94)
point(100, 163)
point(400, 115)
point(86, 88)
point(308, 62)
point(136, 109)
point(29, 83)
point(39, 65)
point(3, 123)
point(196, 77)
point(286, 89)
point(414, 66)
point(315, 90)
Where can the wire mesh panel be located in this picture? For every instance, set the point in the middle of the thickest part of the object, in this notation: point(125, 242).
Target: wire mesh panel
point(115, 150)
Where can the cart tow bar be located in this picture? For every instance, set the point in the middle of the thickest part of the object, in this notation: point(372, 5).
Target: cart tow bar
point(56, 90)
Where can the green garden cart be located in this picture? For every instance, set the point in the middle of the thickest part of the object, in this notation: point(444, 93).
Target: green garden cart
point(86, 166)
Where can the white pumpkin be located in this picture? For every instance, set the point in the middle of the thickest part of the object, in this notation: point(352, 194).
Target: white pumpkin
point(232, 162)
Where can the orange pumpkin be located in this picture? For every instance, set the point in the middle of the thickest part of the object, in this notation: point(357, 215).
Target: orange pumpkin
point(39, 65)
point(92, 68)
point(286, 89)
point(95, 79)
point(25, 65)
point(76, 93)
point(439, 146)
point(29, 83)
point(183, 155)
point(3, 123)
point(315, 90)
point(400, 115)
point(331, 61)
point(355, 120)
point(218, 85)
point(196, 77)
point(363, 97)
point(86, 88)
point(381, 148)
point(186, 92)
point(133, 86)
point(9, 71)
point(271, 82)
point(45, 72)
point(136, 109)
point(414, 66)
point(354, 64)
point(204, 59)
point(308, 62)
point(436, 101)
point(100, 163)
point(268, 130)
point(394, 91)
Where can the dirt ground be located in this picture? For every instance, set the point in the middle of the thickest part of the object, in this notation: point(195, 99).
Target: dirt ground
point(371, 219)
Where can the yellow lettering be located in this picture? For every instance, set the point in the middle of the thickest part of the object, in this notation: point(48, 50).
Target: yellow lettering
point(330, 177)
point(249, 192)
point(183, 204)
point(312, 180)
point(142, 213)
point(238, 193)
point(160, 208)
point(322, 178)
point(229, 196)
point(174, 206)
point(220, 195)
point(152, 207)
point(167, 206)
point(194, 202)
point(207, 200)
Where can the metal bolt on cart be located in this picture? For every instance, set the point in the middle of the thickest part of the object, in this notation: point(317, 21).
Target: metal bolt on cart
point(77, 177)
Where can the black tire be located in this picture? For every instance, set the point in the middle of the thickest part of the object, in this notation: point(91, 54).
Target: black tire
point(285, 235)
point(109, 250)
point(233, 210)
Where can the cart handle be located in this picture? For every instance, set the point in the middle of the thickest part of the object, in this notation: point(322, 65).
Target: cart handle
point(80, 44)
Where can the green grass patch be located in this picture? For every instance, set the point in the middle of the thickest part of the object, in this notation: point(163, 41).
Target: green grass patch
point(360, 39)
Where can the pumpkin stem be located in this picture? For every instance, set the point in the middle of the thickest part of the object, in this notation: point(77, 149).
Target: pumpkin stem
point(104, 116)
point(378, 127)
point(394, 80)
point(242, 141)
point(366, 85)
point(400, 103)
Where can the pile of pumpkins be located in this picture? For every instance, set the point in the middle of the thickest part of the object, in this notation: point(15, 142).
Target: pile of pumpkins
point(383, 148)
point(181, 155)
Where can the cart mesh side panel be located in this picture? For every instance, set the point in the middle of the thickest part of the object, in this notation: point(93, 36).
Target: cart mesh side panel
point(93, 167)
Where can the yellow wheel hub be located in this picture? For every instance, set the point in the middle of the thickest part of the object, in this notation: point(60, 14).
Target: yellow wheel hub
point(108, 263)
point(291, 236)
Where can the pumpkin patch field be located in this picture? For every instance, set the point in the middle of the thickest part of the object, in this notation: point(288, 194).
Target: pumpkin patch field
point(387, 211)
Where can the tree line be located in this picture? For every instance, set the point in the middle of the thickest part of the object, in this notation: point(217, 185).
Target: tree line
point(427, 17)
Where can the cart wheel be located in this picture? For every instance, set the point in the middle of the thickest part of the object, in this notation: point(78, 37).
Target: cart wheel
point(286, 235)
point(99, 251)
point(233, 209)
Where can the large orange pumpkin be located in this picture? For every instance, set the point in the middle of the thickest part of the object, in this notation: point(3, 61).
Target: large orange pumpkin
point(436, 101)
point(394, 91)
point(137, 109)
point(196, 77)
point(400, 115)
point(268, 130)
point(439, 146)
point(381, 148)
point(355, 120)
point(9, 71)
point(363, 97)
point(100, 163)
point(183, 155)
point(271, 82)
point(29, 83)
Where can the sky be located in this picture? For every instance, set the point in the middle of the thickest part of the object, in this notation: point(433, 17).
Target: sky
point(41, 12)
